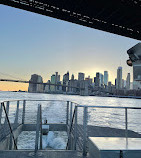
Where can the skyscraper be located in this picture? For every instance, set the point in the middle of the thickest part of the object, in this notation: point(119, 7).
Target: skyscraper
point(105, 78)
point(97, 79)
point(72, 77)
point(119, 78)
point(101, 79)
point(53, 79)
point(81, 76)
point(66, 77)
point(33, 88)
point(65, 80)
point(128, 81)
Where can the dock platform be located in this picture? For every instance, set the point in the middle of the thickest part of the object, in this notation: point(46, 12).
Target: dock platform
point(114, 147)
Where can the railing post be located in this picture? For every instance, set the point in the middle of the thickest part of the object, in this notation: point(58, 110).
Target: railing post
point(7, 111)
point(67, 113)
point(10, 142)
point(41, 127)
point(37, 129)
point(75, 128)
point(70, 139)
point(17, 114)
point(0, 114)
point(23, 115)
point(85, 120)
point(6, 115)
point(70, 113)
point(126, 123)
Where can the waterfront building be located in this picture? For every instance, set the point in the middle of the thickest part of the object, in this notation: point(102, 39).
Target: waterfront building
point(81, 76)
point(47, 87)
point(73, 84)
point(57, 80)
point(66, 77)
point(109, 86)
point(89, 80)
point(72, 77)
point(40, 87)
point(115, 82)
point(123, 83)
point(84, 85)
point(33, 88)
point(53, 80)
point(97, 79)
point(105, 78)
point(119, 78)
point(65, 80)
point(128, 81)
point(59, 87)
point(101, 79)
point(136, 85)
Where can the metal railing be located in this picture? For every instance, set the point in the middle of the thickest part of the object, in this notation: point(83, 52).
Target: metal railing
point(20, 112)
point(77, 133)
point(38, 129)
point(80, 132)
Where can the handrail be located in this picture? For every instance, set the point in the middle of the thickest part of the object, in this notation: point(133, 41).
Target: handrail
point(76, 104)
point(28, 100)
point(9, 126)
point(38, 129)
point(112, 107)
point(70, 129)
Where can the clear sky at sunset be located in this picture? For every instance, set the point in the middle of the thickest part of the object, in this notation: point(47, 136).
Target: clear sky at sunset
point(31, 43)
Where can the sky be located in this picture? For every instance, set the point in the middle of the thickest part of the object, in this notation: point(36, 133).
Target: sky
point(35, 44)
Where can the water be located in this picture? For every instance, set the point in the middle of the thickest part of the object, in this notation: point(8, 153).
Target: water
point(54, 112)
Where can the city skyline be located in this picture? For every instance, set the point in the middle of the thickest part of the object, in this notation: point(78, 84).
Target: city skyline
point(79, 76)
point(82, 85)
point(39, 44)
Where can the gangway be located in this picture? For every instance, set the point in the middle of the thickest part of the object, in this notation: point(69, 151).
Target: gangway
point(81, 136)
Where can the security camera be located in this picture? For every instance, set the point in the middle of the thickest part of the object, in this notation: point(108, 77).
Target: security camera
point(135, 61)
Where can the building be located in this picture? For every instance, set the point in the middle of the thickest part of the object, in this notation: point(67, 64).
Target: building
point(65, 81)
point(105, 78)
point(47, 87)
point(101, 79)
point(66, 77)
point(89, 80)
point(36, 88)
point(123, 83)
point(119, 78)
point(128, 81)
point(97, 79)
point(109, 86)
point(53, 81)
point(81, 76)
point(136, 85)
point(72, 77)
point(115, 82)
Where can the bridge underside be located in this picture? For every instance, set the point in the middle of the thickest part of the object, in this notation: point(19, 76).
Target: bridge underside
point(122, 17)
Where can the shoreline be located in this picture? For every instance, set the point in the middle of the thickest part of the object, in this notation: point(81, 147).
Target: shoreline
point(114, 96)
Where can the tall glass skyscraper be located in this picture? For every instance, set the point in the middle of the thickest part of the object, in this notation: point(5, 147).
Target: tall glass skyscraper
point(119, 78)
point(106, 78)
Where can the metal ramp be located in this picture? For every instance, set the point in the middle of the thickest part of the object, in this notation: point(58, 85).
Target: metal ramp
point(75, 125)
point(41, 154)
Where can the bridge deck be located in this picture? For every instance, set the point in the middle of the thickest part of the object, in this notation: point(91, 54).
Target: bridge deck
point(122, 17)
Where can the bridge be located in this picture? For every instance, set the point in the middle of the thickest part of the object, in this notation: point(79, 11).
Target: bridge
point(121, 17)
